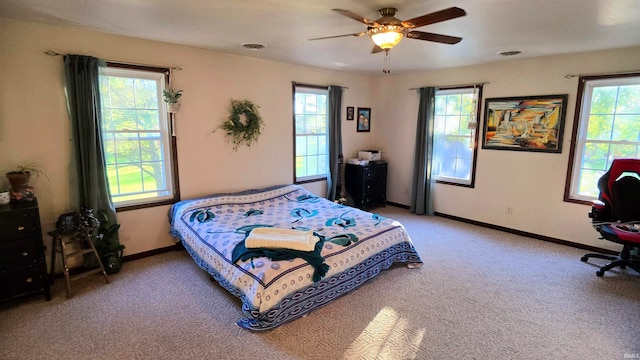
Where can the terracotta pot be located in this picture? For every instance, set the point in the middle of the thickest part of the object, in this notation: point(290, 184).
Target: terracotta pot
point(19, 180)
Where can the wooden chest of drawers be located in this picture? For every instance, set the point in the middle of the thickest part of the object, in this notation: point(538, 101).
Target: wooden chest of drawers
point(367, 184)
point(23, 269)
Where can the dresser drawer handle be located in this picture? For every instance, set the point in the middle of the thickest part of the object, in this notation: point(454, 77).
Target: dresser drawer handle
point(20, 228)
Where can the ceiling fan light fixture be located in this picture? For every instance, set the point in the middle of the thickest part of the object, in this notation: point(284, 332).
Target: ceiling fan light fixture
point(387, 36)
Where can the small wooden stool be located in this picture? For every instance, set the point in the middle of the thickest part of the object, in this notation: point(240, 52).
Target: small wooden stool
point(63, 242)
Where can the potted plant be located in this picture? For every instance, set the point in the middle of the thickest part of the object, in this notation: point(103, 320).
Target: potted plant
point(171, 97)
point(20, 175)
point(108, 245)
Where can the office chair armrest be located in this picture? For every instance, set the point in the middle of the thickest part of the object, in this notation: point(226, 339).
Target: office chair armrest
point(599, 211)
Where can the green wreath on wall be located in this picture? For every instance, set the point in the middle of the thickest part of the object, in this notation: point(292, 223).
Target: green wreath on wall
point(239, 131)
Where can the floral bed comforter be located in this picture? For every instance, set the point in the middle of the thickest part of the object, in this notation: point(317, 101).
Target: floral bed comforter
point(355, 245)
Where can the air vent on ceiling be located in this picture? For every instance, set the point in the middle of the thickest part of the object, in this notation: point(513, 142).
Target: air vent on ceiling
point(254, 46)
point(509, 53)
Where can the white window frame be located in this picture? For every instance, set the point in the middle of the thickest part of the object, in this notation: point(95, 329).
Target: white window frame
point(473, 136)
point(167, 193)
point(581, 125)
point(322, 174)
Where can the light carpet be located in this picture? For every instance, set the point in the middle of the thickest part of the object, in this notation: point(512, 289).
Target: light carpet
point(481, 294)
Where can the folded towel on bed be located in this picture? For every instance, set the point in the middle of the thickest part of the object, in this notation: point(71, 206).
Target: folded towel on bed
point(276, 238)
point(314, 258)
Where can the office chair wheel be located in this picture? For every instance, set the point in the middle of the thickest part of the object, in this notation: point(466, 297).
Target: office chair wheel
point(584, 258)
point(600, 273)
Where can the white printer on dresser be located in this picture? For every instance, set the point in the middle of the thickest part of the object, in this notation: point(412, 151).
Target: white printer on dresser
point(370, 155)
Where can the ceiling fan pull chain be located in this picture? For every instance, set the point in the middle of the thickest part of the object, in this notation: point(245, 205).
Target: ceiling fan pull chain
point(387, 61)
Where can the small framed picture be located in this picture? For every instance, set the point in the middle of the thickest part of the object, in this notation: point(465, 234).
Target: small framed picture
point(364, 119)
point(350, 112)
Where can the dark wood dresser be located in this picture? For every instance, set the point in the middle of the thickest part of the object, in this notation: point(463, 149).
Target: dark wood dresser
point(23, 270)
point(367, 184)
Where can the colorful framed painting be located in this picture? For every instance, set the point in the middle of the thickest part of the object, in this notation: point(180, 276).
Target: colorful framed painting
point(364, 119)
point(526, 123)
point(350, 112)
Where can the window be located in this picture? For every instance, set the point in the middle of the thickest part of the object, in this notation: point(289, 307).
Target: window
point(455, 135)
point(607, 127)
point(138, 147)
point(311, 133)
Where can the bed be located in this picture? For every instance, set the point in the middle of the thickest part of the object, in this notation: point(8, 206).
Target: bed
point(353, 246)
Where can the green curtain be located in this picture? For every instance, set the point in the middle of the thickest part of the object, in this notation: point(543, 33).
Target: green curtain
point(335, 139)
point(83, 101)
point(422, 183)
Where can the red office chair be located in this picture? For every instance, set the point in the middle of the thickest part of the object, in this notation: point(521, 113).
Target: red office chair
point(616, 215)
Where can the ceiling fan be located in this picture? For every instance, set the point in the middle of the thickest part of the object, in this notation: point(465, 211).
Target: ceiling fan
point(387, 31)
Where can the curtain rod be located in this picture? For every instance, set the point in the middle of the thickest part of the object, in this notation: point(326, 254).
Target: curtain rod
point(317, 86)
point(53, 53)
point(569, 76)
point(455, 86)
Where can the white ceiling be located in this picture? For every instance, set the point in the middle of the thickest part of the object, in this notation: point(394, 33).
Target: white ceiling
point(535, 27)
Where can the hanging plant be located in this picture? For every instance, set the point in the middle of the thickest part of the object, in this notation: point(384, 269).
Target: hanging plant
point(243, 124)
point(171, 97)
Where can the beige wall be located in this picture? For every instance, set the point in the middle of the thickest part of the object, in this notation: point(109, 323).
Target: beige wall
point(34, 126)
point(531, 183)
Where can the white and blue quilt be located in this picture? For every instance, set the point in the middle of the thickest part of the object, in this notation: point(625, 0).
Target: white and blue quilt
point(354, 246)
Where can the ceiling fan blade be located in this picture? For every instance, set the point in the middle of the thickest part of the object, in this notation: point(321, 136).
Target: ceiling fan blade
point(376, 49)
point(445, 39)
point(434, 17)
point(356, 17)
point(337, 36)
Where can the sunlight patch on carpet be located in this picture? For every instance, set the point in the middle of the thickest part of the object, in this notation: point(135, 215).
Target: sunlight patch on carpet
point(387, 336)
